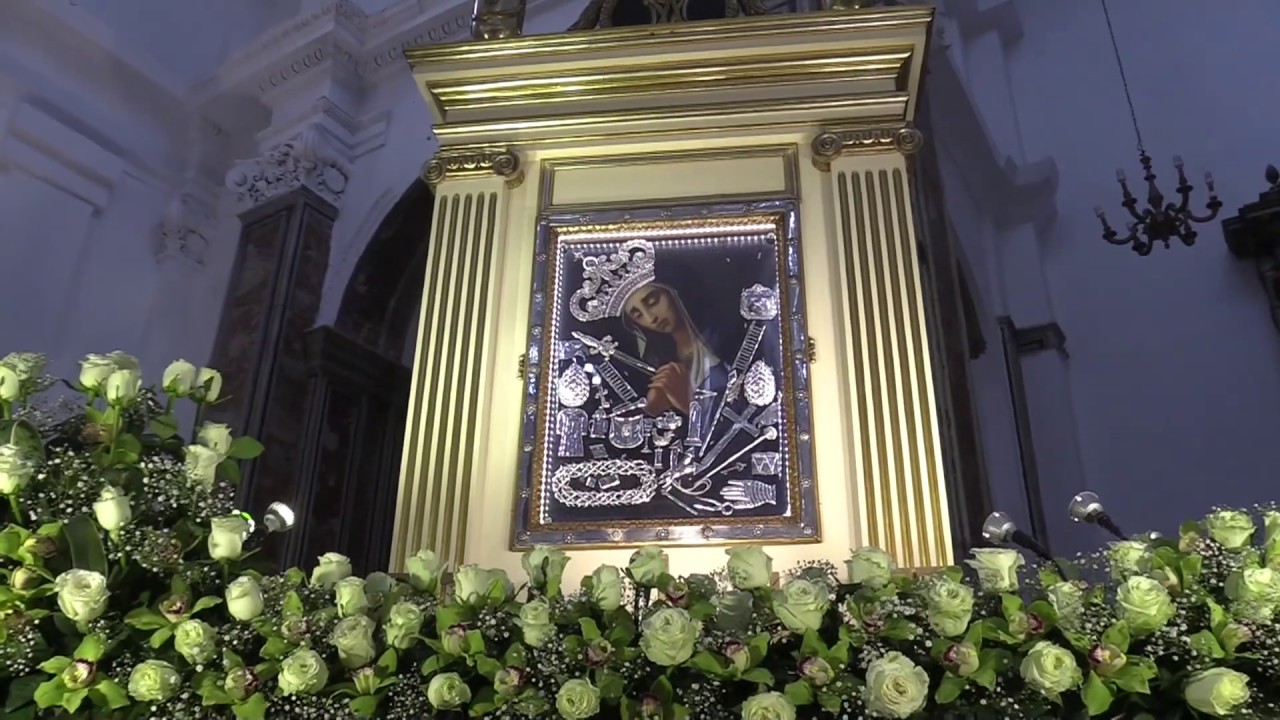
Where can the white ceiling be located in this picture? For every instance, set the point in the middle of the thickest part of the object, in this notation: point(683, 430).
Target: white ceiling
point(189, 38)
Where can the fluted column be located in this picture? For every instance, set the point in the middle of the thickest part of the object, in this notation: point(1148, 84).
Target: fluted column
point(897, 456)
point(448, 400)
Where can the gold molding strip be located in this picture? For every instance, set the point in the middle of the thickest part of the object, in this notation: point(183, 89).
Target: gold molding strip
point(898, 456)
point(737, 31)
point(461, 163)
point(446, 397)
point(831, 144)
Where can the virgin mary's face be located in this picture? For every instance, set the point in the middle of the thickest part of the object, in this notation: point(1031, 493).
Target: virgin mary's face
point(653, 308)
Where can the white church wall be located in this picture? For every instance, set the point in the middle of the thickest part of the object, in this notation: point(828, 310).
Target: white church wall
point(91, 153)
point(1172, 377)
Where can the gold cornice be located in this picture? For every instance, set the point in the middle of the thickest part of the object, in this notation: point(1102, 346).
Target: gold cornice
point(743, 30)
point(805, 70)
point(665, 76)
point(471, 162)
point(831, 144)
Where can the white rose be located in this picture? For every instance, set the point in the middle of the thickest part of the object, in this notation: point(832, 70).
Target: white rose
point(112, 510)
point(870, 566)
point(94, 371)
point(244, 598)
point(208, 385)
point(424, 570)
point(179, 378)
point(216, 437)
point(10, 384)
point(330, 568)
point(15, 469)
point(349, 596)
point(122, 386)
point(896, 686)
point(202, 464)
point(749, 567)
point(26, 365)
point(124, 361)
point(997, 568)
point(226, 537)
point(82, 595)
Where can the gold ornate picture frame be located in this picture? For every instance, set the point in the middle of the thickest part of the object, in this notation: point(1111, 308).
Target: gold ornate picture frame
point(666, 389)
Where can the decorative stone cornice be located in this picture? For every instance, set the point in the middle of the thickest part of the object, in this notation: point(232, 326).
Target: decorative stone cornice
point(303, 160)
point(831, 144)
point(463, 163)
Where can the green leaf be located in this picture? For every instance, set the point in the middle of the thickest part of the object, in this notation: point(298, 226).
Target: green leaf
point(1010, 604)
point(662, 689)
point(759, 675)
point(475, 642)
point(73, 698)
point(55, 665)
point(163, 426)
point(146, 619)
point(22, 691)
point(708, 664)
point(799, 693)
point(1206, 644)
point(949, 689)
point(387, 663)
point(366, 706)
point(24, 435)
point(515, 656)
point(1117, 635)
point(229, 470)
point(244, 448)
point(85, 544)
point(435, 664)
point(758, 648)
point(1217, 616)
point(161, 636)
point(590, 630)
point(107, 693)
point(90, 649)
point(812, 646)
point(1097, 697)
point(292, 607)
point(488, 667)
point(611, 685)
point(276, 648)
point(205, 603)
point(1131, 678)
point(255, 708)
point(50, 693)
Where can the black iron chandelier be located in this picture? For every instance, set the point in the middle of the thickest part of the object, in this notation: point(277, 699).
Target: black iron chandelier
point(1161, 221)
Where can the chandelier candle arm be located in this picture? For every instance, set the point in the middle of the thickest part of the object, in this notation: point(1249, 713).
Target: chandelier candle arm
point(1160, 221)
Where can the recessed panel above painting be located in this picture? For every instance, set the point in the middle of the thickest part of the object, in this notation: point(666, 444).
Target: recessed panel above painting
point(667, 383)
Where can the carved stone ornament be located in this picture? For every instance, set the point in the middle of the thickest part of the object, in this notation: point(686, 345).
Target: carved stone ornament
point(300, 161)
point(463, 163)
point(831, 144)
point(177, 238)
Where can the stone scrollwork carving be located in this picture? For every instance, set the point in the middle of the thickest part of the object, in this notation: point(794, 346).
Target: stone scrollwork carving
point(831, 144)
point(301, 161)
point(461, 163)
point(178, 237)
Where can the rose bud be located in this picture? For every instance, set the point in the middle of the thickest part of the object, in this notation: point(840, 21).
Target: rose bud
point(366, 680)
point(961, 659)
point(677, 593)
point(1106, 659)
point(174, 607)
point(599, 652)
point(455, 640)
point(1234, 635)
point(41, 546)
point(78, 675)
point(816, 670)
point(25, 579)
point(738, 655)
point(294, 629)
point(241, 682)
point(1035, 624)
point(508, 681)
point(650, 708)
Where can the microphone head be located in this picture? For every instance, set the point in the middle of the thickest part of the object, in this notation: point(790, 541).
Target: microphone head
point(998, 528)
point(1086, 507)
point(278, 518)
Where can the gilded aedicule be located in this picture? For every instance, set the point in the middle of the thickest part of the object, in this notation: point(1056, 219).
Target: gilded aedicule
point(666, 381)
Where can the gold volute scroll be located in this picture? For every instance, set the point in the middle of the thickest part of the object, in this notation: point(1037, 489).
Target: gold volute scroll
point(831, 144)
point(462, 163)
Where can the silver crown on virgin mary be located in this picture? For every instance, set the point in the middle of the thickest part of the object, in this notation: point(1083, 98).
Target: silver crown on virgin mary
point(608, 280)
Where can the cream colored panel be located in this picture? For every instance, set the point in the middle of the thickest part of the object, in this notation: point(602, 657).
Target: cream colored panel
point(684, 179)
point(493, 493)
point(897, 464)
point(447, 404)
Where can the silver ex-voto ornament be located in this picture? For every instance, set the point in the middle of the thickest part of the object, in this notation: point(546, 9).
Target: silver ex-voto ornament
point(759, 303)
point(759, 385)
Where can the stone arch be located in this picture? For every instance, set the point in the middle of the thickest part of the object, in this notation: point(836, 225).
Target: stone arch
point(359, 392)
point(382, 295)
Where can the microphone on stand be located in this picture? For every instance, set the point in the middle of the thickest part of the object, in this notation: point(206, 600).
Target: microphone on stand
point(1087, 507)
point(999, 529)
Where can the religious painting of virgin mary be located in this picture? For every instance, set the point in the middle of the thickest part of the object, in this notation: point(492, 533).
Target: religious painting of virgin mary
point(671, 405)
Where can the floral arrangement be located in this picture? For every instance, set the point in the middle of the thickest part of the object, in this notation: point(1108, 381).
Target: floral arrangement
point(130, 593)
